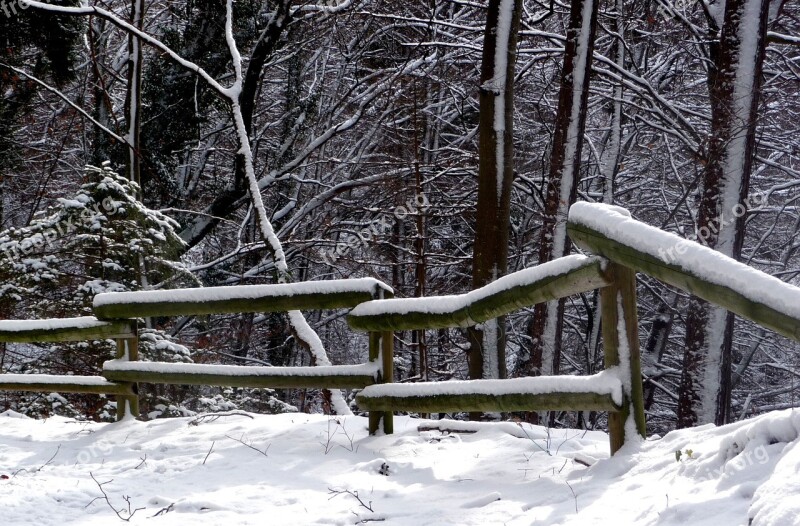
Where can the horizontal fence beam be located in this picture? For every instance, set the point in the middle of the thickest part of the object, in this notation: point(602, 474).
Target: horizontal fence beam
point(473, 402)
point(309, 295)
point(64, 330)
point(556, 279)
point(332, 377)
point(63, 384)
point(687, 265)
point(599, 392)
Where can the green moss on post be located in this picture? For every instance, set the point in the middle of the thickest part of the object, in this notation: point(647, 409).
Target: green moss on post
point(618, 304)
point(374, 356)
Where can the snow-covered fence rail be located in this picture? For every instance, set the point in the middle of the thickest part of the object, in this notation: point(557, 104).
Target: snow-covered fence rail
point(343, 293)
point(323, 377)
point(550, 281)
point(53, 383)
point(115, 319)
point(611, 232)
point(617, 390)
point(314, 295)
point(64, 330)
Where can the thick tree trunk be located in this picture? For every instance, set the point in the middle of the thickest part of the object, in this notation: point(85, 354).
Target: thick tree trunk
point(562, 183)
point(495, 175)
point(734, 88)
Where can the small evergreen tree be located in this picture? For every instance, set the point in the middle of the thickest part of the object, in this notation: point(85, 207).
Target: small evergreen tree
point(98, 241)
point(93, 242)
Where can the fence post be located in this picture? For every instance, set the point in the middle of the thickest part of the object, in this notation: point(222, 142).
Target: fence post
point(374, 356)
point(381, 351)
point(128, 350)
point(387, 359)
point(621, 346)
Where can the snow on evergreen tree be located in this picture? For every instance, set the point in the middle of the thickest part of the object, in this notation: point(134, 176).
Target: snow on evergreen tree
point(100, 240)
point(91, 243)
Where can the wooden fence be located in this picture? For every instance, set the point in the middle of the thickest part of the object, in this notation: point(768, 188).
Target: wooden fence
point(622, 247)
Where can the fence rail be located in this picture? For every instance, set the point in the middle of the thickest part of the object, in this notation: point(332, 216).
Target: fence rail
point(64, 330)
point(686, 265)
point(49, 383)
point(550, 281)
point(324, 377)
point(600, 392)
point(309, 295)
point(622, 247)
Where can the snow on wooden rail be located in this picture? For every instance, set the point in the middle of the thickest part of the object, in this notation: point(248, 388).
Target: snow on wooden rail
point(599, 392)
point(49, 383)
point(331, 376)
point(556, 279)
point(610, 232)
point(343, 293)
point(63, 330)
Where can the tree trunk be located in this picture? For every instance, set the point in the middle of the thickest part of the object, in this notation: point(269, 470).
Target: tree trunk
point(562, 184)
point(133, 103)
point(495, 174)
point(734, 81)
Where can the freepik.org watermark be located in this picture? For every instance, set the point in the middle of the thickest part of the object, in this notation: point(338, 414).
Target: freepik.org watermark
point(10, 7)
point(380, 225)
point(740, 462)
point(16, 251)
point(95, 450)
point(714, 226)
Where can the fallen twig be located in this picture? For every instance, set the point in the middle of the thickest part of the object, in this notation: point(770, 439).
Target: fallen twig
point(119, 512)
point(336, 492)
point(209, 452)
point(241, 441)
point(213, 417)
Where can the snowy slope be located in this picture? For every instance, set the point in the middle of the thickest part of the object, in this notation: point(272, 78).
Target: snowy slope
point(501, 474)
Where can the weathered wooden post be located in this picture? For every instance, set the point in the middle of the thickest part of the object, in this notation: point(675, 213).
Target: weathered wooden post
point(387, 359)
point(128, 350)
point(381, 351)
point(621, 345)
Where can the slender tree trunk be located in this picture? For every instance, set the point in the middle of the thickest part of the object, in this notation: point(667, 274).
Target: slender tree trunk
point(610, 158)
point(133, 104)
point(420, 267)
point(734, 88)
point(657, 343)
point(562, 183)
point(495, 175)
point(102, 111)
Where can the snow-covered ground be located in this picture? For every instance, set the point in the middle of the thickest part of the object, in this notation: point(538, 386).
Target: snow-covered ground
point(303, 469)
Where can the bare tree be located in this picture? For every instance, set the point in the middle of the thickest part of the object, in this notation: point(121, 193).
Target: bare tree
point(495, 177)
point(562, 181)
point(734, 81)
